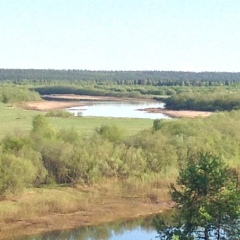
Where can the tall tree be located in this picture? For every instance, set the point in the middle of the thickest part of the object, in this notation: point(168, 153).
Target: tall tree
point(207, 201)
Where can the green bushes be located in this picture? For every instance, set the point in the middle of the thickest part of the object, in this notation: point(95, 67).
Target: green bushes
point(16, 173)
point(11, 94)
point(59, 113)
point(217, 100)
point(51, 156)
point(111, 132)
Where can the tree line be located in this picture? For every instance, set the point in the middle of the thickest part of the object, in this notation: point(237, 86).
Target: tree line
point(155, 78)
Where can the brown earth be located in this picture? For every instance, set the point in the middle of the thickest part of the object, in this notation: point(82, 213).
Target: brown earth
point(180, 113)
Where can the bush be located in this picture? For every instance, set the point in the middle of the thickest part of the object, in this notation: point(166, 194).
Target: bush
point(11, 94)
point(16, 173)
point(111, 132)
point(59, 113)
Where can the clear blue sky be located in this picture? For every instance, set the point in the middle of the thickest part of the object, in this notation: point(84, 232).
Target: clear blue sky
point(186, 35)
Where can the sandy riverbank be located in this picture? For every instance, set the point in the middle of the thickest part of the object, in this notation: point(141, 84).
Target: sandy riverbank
point(180, 113)
point(50, 105)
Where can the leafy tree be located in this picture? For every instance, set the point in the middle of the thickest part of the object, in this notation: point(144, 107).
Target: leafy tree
point(41, 127)
point(207, 201)
point(111, 132)
point(22, 147)
point(156, 124)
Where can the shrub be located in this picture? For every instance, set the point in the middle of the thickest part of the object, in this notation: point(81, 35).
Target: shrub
point(59, 113)
point(16, 173)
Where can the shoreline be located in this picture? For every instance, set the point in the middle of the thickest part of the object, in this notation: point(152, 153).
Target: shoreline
point(179, 113)
point(67, 101)
point(50, 223)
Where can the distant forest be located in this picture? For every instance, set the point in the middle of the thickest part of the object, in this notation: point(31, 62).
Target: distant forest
point(154, 78)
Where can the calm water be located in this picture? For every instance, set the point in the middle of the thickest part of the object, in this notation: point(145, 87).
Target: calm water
point(118, 109)
point(141, 229)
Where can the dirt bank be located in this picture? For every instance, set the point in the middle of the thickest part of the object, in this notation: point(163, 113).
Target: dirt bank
point(49, 105)
point(180, 113)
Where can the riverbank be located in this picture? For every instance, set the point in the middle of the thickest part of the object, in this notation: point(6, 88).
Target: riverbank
point(61, 208)
point(179, 113)
point(49, 105)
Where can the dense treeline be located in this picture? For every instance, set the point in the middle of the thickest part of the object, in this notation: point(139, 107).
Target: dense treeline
point(49, 156)
point(156, 78)
point(215, 99)
point(132, 91)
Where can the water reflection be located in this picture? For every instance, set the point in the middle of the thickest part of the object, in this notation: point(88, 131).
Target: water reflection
point(118, 109)
point(121, 230)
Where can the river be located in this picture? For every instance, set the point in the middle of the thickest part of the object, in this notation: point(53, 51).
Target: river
point(117, 109)
point(141, 228)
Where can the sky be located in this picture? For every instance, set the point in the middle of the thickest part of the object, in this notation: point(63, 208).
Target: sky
point(164, 35)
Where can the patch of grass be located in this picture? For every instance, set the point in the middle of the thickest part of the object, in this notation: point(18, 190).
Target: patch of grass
point(86, 125)
point(40, 202)
point(15, 119)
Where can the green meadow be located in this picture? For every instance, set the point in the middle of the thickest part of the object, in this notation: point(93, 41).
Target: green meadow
point(16, 119)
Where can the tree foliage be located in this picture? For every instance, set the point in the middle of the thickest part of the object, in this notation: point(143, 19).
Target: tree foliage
point(207, 201)
point(16, 173)
point(160, 78)
point(15, 93)
point(219, 100)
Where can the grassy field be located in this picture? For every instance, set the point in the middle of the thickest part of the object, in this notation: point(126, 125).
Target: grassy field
point(17, 119)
